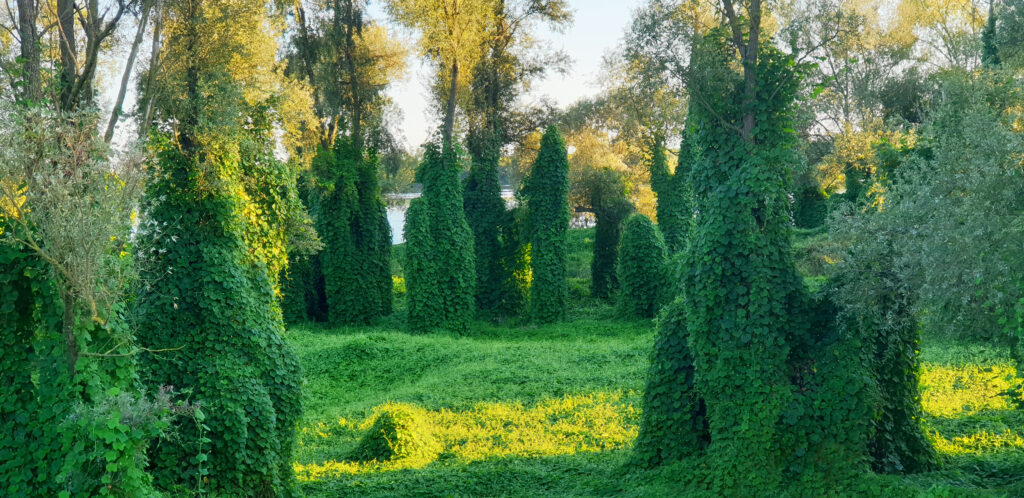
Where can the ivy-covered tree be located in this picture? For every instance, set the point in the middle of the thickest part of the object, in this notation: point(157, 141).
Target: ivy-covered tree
point(759, 343)
point(675, 197)
point(643, 269)
point(208, 305)
point(348, 61)
point(510, 62)
point(606, 189)
point(546, 192)
point(485, 210)
point(440, 271)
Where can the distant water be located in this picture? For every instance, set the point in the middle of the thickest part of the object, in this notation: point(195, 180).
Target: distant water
point(398, 204)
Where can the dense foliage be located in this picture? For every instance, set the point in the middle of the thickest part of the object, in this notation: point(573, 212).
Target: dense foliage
point(643, 269)
point(352, 222)
point(674, 422)
point(787, 393)
point(214, 314)
point(546, 192)
point(440, 270)
point(611, 206)
point(485, 210)
point(675, 203)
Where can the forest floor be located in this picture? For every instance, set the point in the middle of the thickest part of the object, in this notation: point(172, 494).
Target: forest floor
point(518, 410)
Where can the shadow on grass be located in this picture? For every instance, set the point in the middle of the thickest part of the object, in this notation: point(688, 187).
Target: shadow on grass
point(583, 474)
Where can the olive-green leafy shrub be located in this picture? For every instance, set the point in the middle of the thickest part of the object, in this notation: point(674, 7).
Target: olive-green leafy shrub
point(875, 298)
point(546, 191)
point(211, 313)
point(675, 195)
point(485, 212)
point(439, 269)
point(400, 432)
point(352, 222)
point(643, 269)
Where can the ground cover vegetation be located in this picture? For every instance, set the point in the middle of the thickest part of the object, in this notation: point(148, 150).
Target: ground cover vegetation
point(776, 255)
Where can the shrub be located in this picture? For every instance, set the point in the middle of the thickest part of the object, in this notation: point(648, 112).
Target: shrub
point(643, 269)
point(440, 272)
point(546, 191)
point(400, 433)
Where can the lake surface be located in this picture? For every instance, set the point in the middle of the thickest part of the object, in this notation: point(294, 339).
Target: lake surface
point(398, 204)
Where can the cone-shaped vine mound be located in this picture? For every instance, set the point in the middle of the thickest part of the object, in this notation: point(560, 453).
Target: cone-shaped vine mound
point(675, 196)
point(547, 191)
point(643, 269)
point(400, 432)
point(485, 212)
point(352, 222)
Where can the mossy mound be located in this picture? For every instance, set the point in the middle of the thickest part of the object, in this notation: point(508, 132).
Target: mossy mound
point(400, 432)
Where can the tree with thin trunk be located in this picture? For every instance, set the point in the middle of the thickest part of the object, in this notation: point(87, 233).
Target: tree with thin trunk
point(115, 114)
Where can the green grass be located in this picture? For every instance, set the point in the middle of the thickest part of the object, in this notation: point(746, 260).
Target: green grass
point(541, 411)
point(519, 410)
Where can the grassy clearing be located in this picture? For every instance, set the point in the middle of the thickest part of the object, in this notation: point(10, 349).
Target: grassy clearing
point(517, 410)
point(553, 411)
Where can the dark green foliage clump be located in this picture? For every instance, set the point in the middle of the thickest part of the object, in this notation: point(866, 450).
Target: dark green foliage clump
point(213, 313)
point(485, 213)
point(643, 269)
point(675, 195)
point(515, 263)
point(878, 304)
point(546, 191)
point(810, 208)
point(352, 222)
point(30, 413)
point(400, 432)
point(439, 268)
point(674, 424)
point(610, 205)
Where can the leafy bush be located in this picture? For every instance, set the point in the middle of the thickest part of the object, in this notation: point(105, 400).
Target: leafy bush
point(643, 269)
point(401, 433)
point(546, 191)
point(439, 267)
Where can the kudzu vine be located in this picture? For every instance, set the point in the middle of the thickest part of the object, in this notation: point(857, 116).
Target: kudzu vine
point(546, 191)
point(440, 269)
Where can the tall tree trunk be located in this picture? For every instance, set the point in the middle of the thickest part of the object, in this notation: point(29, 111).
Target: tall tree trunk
point(449, 113)
point(116, 113)
point(351, 28)
point(154, 67)
point(31, 65)
point(68, 51)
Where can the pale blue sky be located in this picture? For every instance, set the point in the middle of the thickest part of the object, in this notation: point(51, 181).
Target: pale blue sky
point(597, 28)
